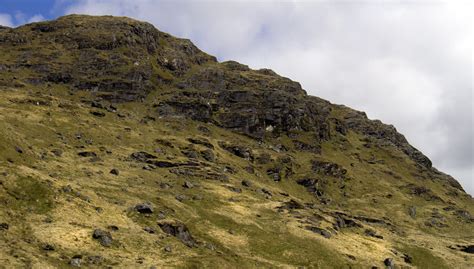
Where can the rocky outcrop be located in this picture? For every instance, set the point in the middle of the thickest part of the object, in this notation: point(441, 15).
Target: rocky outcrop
point(121, 60)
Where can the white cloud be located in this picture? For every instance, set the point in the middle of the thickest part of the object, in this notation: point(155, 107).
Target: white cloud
point(19, 18)
point(36, 18)
point(406, 63)
point(6, 20)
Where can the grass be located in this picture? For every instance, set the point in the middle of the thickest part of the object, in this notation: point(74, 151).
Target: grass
point(245, 229)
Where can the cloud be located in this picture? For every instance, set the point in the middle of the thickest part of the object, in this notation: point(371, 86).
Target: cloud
point(406, 63)
point(19, 18)
point(6, 20)
point(36, 18)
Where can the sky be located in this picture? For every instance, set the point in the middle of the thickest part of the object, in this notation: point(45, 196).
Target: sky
point(407, 63)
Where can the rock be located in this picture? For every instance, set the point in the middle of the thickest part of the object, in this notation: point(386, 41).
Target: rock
point(407, 258)
point(165, 186)
point(87, 154)
point(75, 262)
point(263, 158)
point(144, 208)
point(319, 231)
point(246, 183)
point(389, 263)
point(464, 215)
point(96, 259)
point(168, 248)
point(312, 185)
point(188, 185)
point(98, 113)
point(372, 233)
point(419, 190)
point(292, 204)
point(204, 129)
point(4, 226)
point(301, 146)
point(190, 153)
point(201, 141)
point(239, 151)
point(48, 247)
point(468, 249)
point(164, 164)
point(18, 149)
point(208, 155)
point(274, 173)
point(104, 237)
point(113, 227)
point(234, 189)
point(344, 222)
point(412, 211)
point(328, 169)
point(178, 230)
point(57, 152)
point(181, 197)
point(340, 127)
point(149, 230)
point(66, 189)
point(142, 156)
point(114, 171)
point(266, 191)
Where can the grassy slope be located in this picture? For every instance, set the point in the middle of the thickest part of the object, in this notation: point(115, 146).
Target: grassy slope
point(245, 230)
point(234, 230)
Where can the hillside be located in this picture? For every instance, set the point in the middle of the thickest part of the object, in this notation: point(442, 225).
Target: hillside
point(122, 146)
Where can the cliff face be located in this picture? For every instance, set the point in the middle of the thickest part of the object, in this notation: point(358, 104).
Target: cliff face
point(122, 145)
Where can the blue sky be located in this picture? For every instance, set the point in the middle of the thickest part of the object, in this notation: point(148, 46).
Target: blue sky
point(21, 11)
point(407, 63)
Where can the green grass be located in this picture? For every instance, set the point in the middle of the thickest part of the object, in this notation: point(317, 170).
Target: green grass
point(31, 195)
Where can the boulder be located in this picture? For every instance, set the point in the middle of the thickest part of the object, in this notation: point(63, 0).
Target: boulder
point(104, 237)
point(180, 231)
point(144, 208)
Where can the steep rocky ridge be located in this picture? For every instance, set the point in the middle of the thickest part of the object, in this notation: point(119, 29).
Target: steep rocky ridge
point(168, 157)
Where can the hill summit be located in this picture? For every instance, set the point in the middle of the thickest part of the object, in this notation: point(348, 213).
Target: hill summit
point(123, 146)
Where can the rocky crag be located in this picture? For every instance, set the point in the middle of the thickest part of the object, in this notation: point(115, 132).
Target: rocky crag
point(123, 146)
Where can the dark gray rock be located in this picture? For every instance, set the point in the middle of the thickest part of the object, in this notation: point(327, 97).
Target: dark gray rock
point(149, 230)
point(319, 231)
point(180, 231)
point(201, 141)
point(104, 237)
point(208, 155)
point(87, 154)
point(4, 226)
point(246, 183)
point(57, 152)
point(389, 263)
point(234, 189)
point(47, 247)
point(240, 151)
point(412, 211)
point(19, 149)
point(188, 185)
point(98, 113)
point(144, 208)
point(181, 197)
point(142, 156)
point(372, 233)
point(291, 204)
point(328, 169)
point(468, 249)
point(407, 258)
